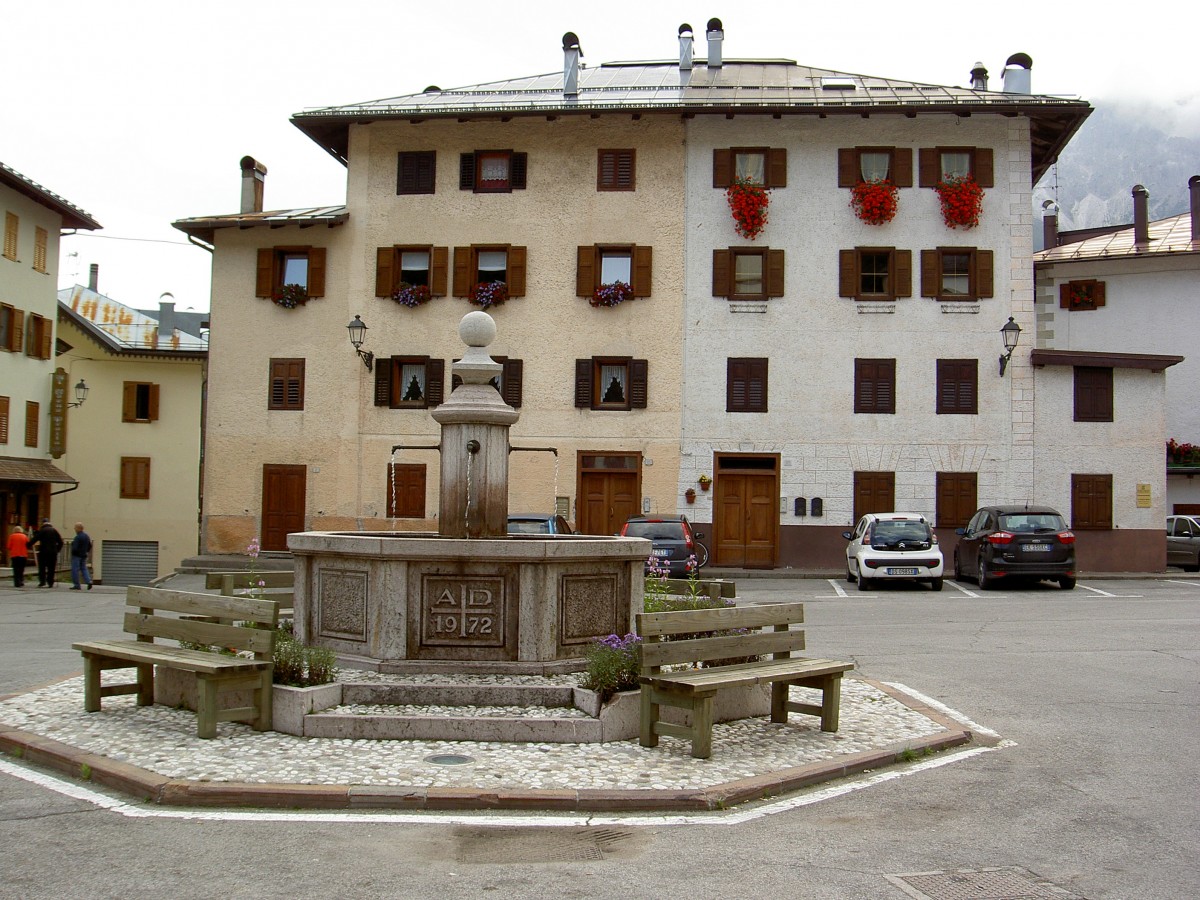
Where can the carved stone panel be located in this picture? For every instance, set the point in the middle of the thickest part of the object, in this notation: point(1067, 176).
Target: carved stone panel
point(342, 604)
point(462, 611)
point(590, 608)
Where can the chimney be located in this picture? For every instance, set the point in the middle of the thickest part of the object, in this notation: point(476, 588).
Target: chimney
point(1194, 189)
point(979, 77)
point(1016, 74)
point(1049, 225)
point(166, 320)
point(254, 174)
point(1141, 220)
point(94, 277)
point(715, 35)
point(685, 47)
point(571, 55)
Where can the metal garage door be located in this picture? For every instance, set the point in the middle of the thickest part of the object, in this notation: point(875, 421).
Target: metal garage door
point(129, 562)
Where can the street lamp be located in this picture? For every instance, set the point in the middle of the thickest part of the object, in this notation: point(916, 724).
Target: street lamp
point(1011, 333)
point(358, 332)
point(81, 392)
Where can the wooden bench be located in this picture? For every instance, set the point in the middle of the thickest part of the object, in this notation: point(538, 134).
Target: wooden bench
point(209, 619)
point(713, 588)
point(277, 586)
point(693, 689)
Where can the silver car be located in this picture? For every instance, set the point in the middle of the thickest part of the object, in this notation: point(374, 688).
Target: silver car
point(1183, 542)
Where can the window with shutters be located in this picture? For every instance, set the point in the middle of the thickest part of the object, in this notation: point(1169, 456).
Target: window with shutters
point(40, 335)
point(956, 498)
point(615, 170)
point(405, 491)
point(746, 384)
point(956, 273)
point(12, 328)
point(135, 477)
point(139, 402)
point(33, 412)
point(874, 492)
point(875, 273)
point(416, 172)
point(4, 405)
point(875, 386)
point(278, 267)
point(763, 166)
point(509, 383)
point(857, 164)
point(286, 384)
point(12, 227)
point(1093, 394)
point(41, 239)
point(411, 265)
point(492, 171)
point(611, 383)
point(1082, 295)
point(484, 263)
point(938, 164)
point(601, 264)
point(957, 387)
point(1091, 502)
point(748, 273)
point(409, 382)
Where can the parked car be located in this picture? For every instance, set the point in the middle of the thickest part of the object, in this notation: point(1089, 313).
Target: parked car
point(538, 523)
point(1183, 542)
point(674, 542)
point(1015, 541)
point(893, 546)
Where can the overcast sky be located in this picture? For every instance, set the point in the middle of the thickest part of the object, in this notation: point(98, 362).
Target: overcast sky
point(139, 110)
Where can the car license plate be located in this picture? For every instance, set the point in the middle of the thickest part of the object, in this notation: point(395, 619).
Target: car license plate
point(1037, 548)
point(661, 552)
point(902, 571)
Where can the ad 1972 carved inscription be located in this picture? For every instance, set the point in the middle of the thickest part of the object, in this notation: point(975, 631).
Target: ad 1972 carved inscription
point(462, 611)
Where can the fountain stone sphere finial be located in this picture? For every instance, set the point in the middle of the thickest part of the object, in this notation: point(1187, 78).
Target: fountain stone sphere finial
point(477, 329)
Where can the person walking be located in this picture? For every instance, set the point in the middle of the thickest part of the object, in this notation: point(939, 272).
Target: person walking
point(18, 554)
point(48, 543)
point(81, 546)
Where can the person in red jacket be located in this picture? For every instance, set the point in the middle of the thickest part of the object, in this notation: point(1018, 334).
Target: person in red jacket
point(18, 554)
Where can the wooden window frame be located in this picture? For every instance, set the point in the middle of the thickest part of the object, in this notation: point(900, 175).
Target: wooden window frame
point(416, 172)
point(394, 508)
point(132, 393)
point(1081, 295)
point(869, 374)
point(511, 384)
point(900, 167)
point(725, 264)
point(39, 337)
point(774, 165)
point(388, 387)
point(957, 387)
point(135, 478)
point(269, 274)
point(33, 415)
point(285, 383)
point(1093, 393)
point(12, 231)
point(12, 328)
point(589, 391)
point(389, 272)
point(41, 243)
point(980, 274)
point(930, 165)
point(955, 503)
point(470, 164)
point(746, 383)
point(589, 263)
point(1091, 502)
point(616, 170)
point(850, 274)
point(466, 268)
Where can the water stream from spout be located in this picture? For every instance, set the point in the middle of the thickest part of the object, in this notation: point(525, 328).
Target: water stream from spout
point(391, 498)
point(554, 496)
point(467, 505)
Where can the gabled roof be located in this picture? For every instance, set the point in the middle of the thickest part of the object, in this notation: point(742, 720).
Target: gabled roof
point(204, 227)
point(72, 215)
point(1167, 237)
point(122, 329)
point(743, 87)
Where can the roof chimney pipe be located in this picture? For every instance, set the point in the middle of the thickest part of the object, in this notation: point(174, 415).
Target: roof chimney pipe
point(94, 276)
point(685, 47)
point(715, 35)
point(571, 54)
point(1016, 74)
point(1049, 225)
point(1194, 190)
point(1141, 218)
point(254, 174)
point(979, 78)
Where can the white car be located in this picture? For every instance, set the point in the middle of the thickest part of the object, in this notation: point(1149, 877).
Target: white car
point(893, 546)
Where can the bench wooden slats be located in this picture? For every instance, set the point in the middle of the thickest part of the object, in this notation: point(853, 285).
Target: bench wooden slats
point(722, 618)
point(241, 609)
point(666, 653)
point(227, 582)
point(762, 672)
point(175, 657)
point(256, 640)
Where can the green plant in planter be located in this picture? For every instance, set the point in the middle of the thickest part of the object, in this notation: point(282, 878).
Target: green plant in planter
point(612, 665)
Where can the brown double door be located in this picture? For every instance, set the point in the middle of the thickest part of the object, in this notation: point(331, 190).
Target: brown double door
point(608, 492)
point(746, 512)
point(282, 504)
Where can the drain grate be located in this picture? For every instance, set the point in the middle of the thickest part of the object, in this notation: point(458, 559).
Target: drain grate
point(489, 846)
point(1009, 883)
point(449, 759)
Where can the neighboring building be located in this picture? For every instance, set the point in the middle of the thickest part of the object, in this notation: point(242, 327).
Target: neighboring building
point(824, 369)
point(139, 471)
point(33, 404)
point(1122, 308)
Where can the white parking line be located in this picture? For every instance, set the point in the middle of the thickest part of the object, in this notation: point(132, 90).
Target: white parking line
point(1189, 583)
point(959, 587)
point(1095, 590)
point(837, 588)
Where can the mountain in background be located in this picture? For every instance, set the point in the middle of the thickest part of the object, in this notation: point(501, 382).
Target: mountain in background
point(1116, 148)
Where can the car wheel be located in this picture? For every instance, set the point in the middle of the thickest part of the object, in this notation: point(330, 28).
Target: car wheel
point(1196, 567)
point(1066, 582)
point(936, 584)
point(986, 582)
point(958, 572)
point(850, 576)
point(862, 582)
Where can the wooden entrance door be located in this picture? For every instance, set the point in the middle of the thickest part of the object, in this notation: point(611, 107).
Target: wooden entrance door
point(608, 493)
point(282, 504)
point(746, 518)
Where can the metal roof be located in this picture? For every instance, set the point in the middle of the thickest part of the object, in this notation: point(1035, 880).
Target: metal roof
point(204, 227)
point(1167, 236)
point(771, 86)
point(72, 215)
point(123, 329)
point(1155, 362)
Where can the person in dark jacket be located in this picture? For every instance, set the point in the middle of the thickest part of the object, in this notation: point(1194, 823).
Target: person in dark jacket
point(81, 546)
point(48, 542)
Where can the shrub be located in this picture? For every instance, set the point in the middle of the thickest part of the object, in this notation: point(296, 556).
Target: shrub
point(300, 666)
point(612, 665)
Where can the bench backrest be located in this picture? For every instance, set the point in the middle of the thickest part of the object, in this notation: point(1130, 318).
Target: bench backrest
point(714, 588)
point(688, 637)
point(210, 619)
point(230, 581)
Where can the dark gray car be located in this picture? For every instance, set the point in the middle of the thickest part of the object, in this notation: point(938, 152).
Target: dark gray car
point(1015, 541)
point(1183, 542)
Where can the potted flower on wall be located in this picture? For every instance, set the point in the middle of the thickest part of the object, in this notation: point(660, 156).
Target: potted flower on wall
point(705, 482)
point(290, 296)
point(690, 495)
point(875, 201)
point(962, 201)
point(489, 293)
point(412, 295)
point(611, 294)
point(748, 204)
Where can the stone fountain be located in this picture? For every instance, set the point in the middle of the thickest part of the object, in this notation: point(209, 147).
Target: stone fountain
point(470, 598)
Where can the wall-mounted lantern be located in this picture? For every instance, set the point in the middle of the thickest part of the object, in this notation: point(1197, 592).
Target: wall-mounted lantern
point(358, 333)
point(1011, 333)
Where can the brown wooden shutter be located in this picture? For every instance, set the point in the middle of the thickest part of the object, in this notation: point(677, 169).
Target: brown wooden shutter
point(383, 381)
point(848, 169)
point(386, 266)
point(874, 492)
point(1064, 295)
point(983, 273)
point(17, 330)
point(585, 270)
point(643, 257)
point(464, 257)
point(774, 279)
point(129, 402)
point(466, 172)
point(583, 384)
point(903, 280)
point(929, 163)
point(722, 168)
point(984, 170)
point(152, 414)
point(406, 174)
point(1098, 294)
point(874, 385)
point(931, 275)
point(518, 167)
point(777, 167)
point(956, 498)
point(957, 386)
point(438, 267)
point(435, 382)
point(516, 271)
point(847, 273)
point(4, 406)
point(32, 416)
point(47, 332)
point(756, 385)
point(316, 271)
point(264, 282)
point(513, 382)
point(722, 273)
point(902, 166)
point(639, 382)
